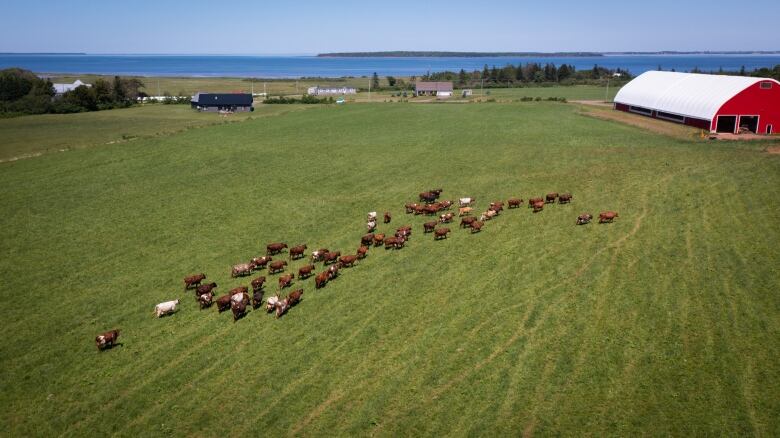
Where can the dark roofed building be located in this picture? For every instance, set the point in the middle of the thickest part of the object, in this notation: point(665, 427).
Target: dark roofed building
point(234, 102)
point(441, 89)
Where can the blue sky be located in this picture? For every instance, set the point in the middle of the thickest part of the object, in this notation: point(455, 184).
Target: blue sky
point(307, 27)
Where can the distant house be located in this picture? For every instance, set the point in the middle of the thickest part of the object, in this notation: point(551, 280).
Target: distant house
point(60, 89)
point(318, 91)
point(235, 102)
point(438, 89)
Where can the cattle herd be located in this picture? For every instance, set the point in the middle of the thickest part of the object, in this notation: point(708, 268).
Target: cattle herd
point(238, 299)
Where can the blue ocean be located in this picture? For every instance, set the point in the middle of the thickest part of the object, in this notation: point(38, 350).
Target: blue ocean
point(312, 66)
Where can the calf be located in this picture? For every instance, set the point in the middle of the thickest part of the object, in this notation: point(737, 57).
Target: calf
point(476, 226)
point(297, 252)
point(275, 248)
point(165, 308)
point(285, 281)
point(205, 300)
point(533, 201)
point(429, 226)
point(277, 266)
point(193, 280)
point(205, 288)
point(514, 202)
point(584, 218)
point(241, 270)
point(348, 260)
point(321, 279)
point(106, 340)
point(367, 239)
point(319, 255)
point(446, 218)
point(441, 233)
point(387, 217)
point(464, 211)
point(223, 303)
point(538, 206)
point(332, 257)
point(260, 262)
point(565, 198)
point(362, 252)
point(467, 221)
point(550, 198)
point(257, 299)
point(607, 216)
point(305, 271)
point(257, 283)
point(379, 239)
point(239, 310)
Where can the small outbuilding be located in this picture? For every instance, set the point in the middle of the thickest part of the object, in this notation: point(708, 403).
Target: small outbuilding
point(717, 103)
point(233, 102)
point(438, 89)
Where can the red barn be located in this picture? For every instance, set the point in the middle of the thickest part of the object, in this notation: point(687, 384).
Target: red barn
point(716, 103)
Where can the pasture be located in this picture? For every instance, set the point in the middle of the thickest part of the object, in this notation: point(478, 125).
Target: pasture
point(664, 322)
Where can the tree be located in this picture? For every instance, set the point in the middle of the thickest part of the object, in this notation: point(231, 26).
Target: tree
point(391, 81)
point(485, 72)
point(103, 92)
point(119, 90)
point(742, 71)
point(462, 77)
point(83, 97)
point(375, 81)
point(563, 72)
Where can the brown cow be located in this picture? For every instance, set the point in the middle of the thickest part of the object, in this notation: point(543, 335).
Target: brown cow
point(205, 288)
point(387, 217)
point(446, 205)
point(441, 233)
point(260, 262)
point(550, 198)
point(394, 242)
point(241, 270)
point(538, 206)
point(277, 266)
point(419, 209)
point(429, 226)
point(257, 283)
point(239, 310)
point(464, 211)
point(367, 239)
point(193, 280)
point(223, 303)
point(407, 229)
point(321, 279)
point(476, 226)
point(379, 239)
point(607, 216)
point(297, 252)
point(106, 340)
point(514, 202)
point(239, 290)
point(205, 300)
point(257, 299)
point(446, 218)
point(305, 271)
point(285, 281)
point(497, 206)
point(294, 297)
point(275, 248)
point(362, 252)
point(428, 197)
point(467, 221)
point(332, 257)
point(410, 207)
point(319, 255)
point(533, 201)
point(565, 198)
point(348, 260)
point(584, 218)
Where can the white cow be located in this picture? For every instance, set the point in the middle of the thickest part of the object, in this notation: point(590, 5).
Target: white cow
point(371, 225)
point(270, 305)
point(465, 202)
point(165, 308)
point(372, 216)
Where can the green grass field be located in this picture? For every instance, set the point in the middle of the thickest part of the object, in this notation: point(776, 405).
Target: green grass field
point(662, 323)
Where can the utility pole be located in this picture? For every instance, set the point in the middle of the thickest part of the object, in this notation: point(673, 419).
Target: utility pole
point(369, 90)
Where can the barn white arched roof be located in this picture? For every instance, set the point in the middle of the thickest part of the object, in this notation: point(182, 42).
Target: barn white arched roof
point(685, 94)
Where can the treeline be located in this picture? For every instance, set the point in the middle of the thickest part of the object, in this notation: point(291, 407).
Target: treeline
point(530, 73)
point(22, 92)
point(763, 72)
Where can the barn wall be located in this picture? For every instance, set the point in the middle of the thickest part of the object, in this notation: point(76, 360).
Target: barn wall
point(697, 123)
point(756, 101)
